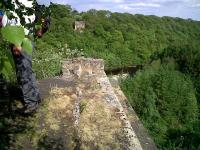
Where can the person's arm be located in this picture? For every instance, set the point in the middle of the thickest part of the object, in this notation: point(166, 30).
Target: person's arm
point(42, 20)
point(45, 24)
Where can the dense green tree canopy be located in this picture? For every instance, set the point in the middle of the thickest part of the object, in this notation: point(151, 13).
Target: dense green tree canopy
point(165, 99)
point(125, 38)
point(165, 94)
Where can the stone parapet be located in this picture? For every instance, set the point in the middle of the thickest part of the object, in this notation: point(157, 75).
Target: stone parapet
point(82, 111)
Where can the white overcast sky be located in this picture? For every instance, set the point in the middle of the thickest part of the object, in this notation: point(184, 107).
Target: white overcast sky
point(175, 8)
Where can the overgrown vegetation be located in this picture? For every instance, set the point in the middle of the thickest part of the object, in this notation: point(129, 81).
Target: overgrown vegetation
point(120, 39)
point(165, 94)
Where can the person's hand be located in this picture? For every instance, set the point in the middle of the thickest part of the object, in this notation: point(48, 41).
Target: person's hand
point(17, 50)
point(43, 20)
point(39, 33)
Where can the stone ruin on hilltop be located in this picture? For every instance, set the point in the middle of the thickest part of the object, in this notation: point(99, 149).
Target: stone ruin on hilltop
point(79, 26)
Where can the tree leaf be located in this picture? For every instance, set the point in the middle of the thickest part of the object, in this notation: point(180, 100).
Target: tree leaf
point(27, 46)
point(1, 65)
point(10, 58)
point(6, 67)
point(13, 34)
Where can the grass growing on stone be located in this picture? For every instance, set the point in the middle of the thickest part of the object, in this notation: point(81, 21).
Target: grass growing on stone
point(99, 127)
point(50, 128)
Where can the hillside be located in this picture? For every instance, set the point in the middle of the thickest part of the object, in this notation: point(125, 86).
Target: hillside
point(164, 92)
point(120, 39)
point(167, 47)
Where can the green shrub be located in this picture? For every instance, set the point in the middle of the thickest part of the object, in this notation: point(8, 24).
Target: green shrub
point(46, 63)
point(164, 99)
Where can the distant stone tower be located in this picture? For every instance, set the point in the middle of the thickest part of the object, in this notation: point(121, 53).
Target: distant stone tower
point(79, 26)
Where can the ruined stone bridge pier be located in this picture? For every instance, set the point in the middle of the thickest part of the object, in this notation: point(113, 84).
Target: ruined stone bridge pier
point(82, 110)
